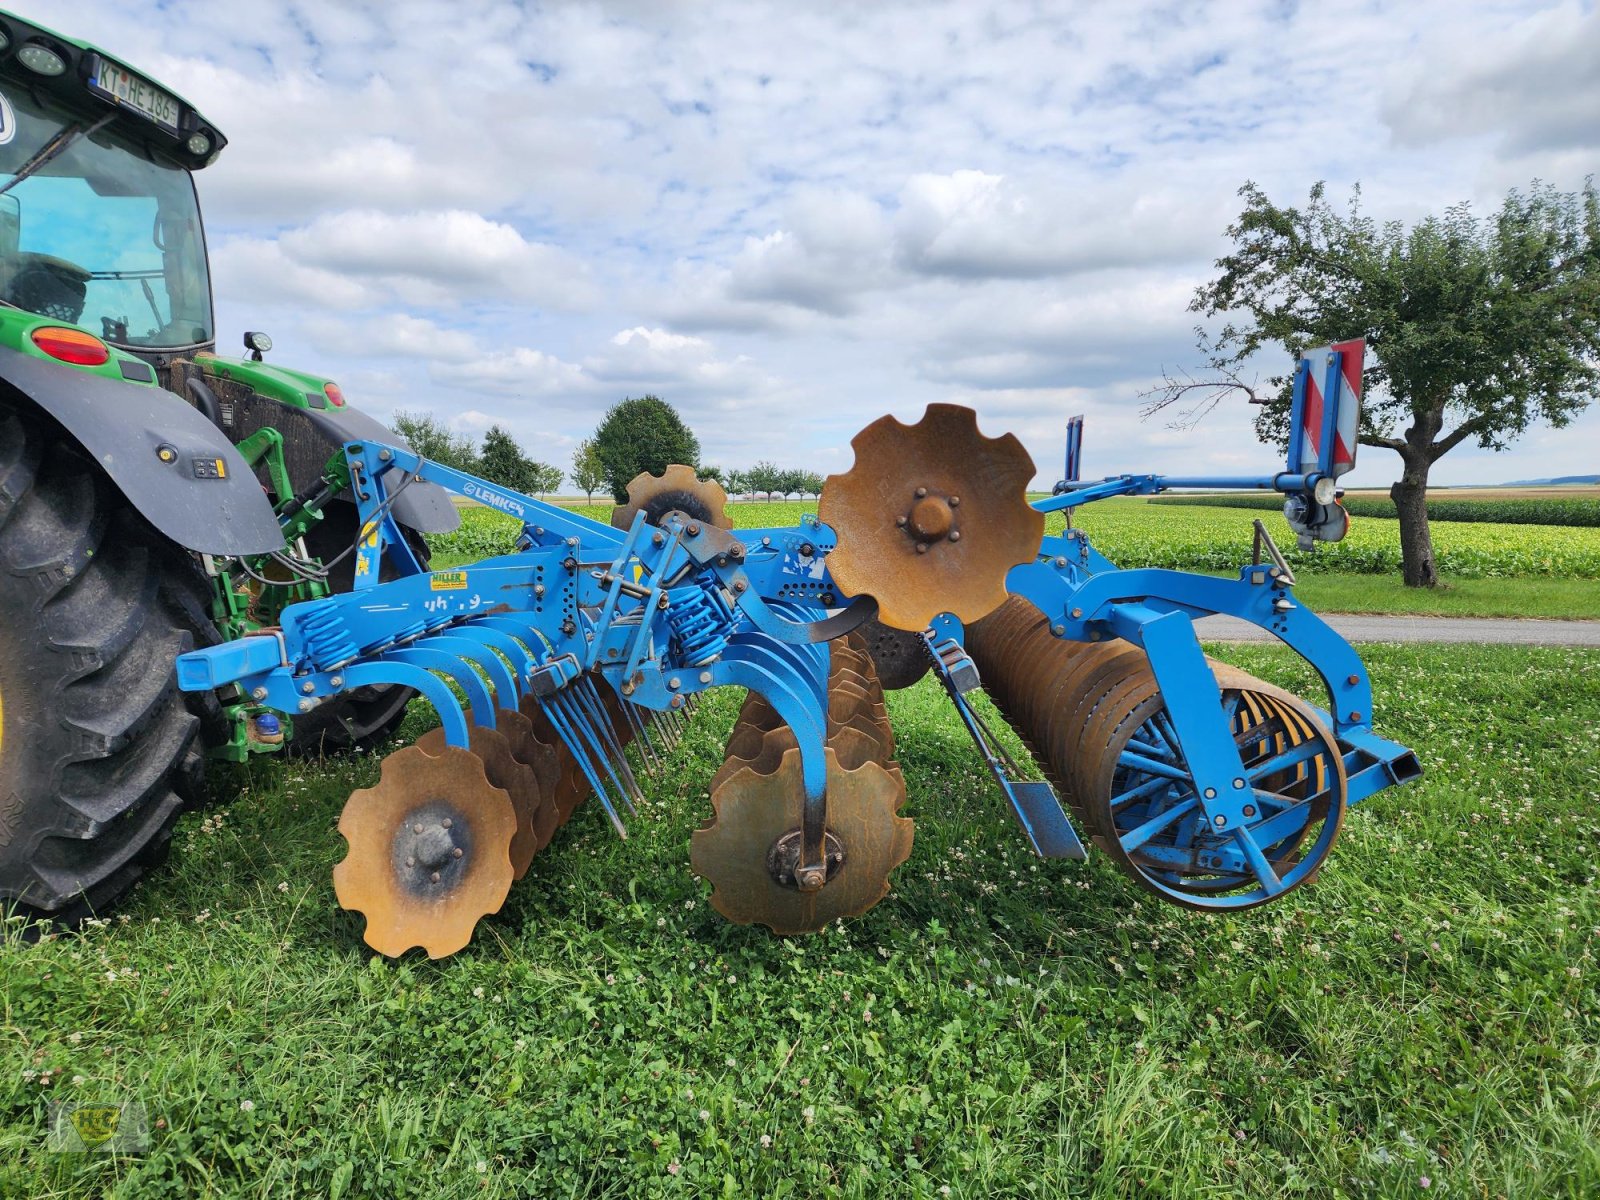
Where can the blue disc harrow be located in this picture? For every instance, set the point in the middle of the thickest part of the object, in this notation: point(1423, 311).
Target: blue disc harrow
point(569, 670)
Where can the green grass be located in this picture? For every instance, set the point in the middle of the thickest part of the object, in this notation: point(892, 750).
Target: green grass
point(1551, 599)
point(1428, 1008)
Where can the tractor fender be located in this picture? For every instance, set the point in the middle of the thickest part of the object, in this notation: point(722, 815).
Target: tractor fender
point(175, 467)
point(425, 507)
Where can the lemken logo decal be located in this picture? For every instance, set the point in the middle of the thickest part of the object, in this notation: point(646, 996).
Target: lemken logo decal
point(8, 121)
point(494, 499)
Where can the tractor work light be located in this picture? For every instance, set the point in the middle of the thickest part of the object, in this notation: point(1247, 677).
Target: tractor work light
point(5, 39)
point(41, 60)
point(71, 346)
point(198, 144)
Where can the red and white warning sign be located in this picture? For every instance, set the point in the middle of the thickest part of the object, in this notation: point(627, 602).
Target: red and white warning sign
point(1346, 397)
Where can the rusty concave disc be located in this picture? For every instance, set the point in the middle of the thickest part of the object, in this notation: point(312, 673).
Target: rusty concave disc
point(931, 517)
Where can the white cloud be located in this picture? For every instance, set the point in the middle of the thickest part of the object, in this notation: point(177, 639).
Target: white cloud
point(436, 257)
point(521, 371)
point(970, 224)
point(1536, 88)
point(801, 216)
point(674, 364)
point(395, 335)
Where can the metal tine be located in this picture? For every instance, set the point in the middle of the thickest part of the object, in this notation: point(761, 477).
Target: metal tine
point(664, 726)
point(590, 698)
point(647, 750)
point(561, 719)
point(581, 722)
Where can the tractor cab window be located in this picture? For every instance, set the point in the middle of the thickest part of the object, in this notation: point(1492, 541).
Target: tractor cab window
point(99, 236)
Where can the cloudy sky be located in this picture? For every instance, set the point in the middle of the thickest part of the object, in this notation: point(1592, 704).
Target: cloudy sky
point(790, 218)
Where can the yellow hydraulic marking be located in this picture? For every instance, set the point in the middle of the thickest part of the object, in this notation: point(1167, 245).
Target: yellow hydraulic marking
point(222, 469)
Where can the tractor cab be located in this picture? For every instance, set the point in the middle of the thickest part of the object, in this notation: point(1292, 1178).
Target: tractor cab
point(99, 223)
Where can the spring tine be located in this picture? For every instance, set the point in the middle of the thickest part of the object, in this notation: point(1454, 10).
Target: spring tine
point(663, 723)
point(647, 750)
point(561, 720)
point(642, 728)
point(588, 697)
point(584, 726)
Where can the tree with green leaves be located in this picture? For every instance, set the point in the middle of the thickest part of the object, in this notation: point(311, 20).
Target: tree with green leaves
point(810, 483)
point(735, 482)
point(1476, 328)
point(502, 461)
point(792, 482)
point(642, 434)
point(763, 477)
point(544, 478)
point(431, 438)
point(588, 473)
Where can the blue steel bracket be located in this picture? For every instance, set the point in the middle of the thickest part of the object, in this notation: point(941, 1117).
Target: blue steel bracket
point(1084, 614)
point(1194, 706)
point(1072, 494)
point(384, 469)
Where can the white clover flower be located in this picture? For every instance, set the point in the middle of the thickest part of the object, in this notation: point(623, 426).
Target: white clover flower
point(247, 1106)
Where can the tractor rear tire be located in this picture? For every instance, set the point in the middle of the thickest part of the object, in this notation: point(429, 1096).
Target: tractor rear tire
point(99, 750)
point(365, 718)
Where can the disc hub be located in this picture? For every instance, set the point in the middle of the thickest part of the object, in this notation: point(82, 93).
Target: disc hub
point(932, 517)
point(431, 849)
point(783, 862)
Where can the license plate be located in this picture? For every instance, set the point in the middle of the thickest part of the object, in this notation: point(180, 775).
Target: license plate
point(145, 98)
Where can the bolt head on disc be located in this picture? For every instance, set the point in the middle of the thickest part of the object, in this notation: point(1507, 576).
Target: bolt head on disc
point(931, 517)
point(429, 852)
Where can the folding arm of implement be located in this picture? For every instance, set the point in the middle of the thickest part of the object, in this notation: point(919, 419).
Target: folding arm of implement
point(1210, 787)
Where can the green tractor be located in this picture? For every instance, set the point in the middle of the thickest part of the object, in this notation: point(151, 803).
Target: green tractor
point(154, 495)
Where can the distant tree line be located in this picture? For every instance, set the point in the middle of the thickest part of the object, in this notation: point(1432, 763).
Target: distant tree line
point(774, 481)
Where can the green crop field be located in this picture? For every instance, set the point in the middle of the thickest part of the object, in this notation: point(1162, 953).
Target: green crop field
point(1490, 570)
point(1196, 537)
point(1424, 1019)
point(1491, 509)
